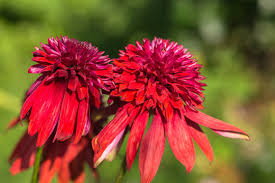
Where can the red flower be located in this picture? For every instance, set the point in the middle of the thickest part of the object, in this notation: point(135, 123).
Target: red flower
point(66, 159)
point(73, 73)
point(162, 77)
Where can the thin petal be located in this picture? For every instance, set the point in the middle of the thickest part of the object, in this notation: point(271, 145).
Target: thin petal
point(53, 114)
point(135, 137)
point(23, 156)
point(67, 118)
point(216, 125)
point(180, 140)
point(82, 116)
point(151, 150)
point(201, 139)
point(110, 148)
point(112, 130)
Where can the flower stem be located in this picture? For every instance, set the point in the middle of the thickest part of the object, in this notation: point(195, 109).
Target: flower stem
point(37, 164)
point(122, 171)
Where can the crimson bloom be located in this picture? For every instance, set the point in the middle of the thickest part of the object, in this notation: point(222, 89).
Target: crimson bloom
point(73, 74)
point(66, 159)
point(162, 78)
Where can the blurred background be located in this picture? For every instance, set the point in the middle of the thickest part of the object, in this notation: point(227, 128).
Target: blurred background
point(234, 40)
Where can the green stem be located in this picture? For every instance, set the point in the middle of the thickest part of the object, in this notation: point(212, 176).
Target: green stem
point(37, 164)
point(122, 172)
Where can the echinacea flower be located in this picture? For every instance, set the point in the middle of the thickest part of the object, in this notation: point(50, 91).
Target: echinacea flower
point(73, 73)
point(66, 159)
point(162, 78)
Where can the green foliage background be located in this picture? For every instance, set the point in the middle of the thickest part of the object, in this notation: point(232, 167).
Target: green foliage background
point(235, 40)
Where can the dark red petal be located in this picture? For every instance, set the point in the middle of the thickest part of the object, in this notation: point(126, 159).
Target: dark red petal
point(216, 125)
point(53, 113)
point(82, 116)
point(23, 156)
point(151, 150)
point(135, 137)
point(67, 118)
point(180, 140)
point(201, 139)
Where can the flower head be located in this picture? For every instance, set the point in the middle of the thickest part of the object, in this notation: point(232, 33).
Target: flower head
point(66, 159)
point(162, 77)
point(72, 76)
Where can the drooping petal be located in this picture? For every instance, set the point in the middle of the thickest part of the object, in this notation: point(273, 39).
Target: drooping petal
point(40, 107)
point(110, 132)
point(151, 150)
point(53, 113)
point(180, 140)
point(67, 118)
point(23, 156)
point(48, 169)
point(135, 137)
point(31, 99)
point(201, 139)
point(216, 125)
point(82, 116)
point(110, 148)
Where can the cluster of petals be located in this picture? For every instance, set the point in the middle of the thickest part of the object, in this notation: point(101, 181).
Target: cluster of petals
point(161, 78)
point(66, 159)
point(158, 78)
point(73, 76)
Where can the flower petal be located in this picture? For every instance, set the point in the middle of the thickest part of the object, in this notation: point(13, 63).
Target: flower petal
point(110, 132)
point(180, 140)
point(135, 137)
point(151, 150)
point(67, 118)
point(201, 139)
point(82, 116)
point(53, 113)
point(109, 149)
point(216, 125)
point(23, 156)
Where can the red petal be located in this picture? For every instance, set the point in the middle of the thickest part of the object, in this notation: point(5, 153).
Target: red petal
point(82, 116)
point(40, 105)
point(31, 99)
point(135, 137)
point(82, 92)
point(50, 117)
point(73, 83)
point(38, 68)
point(42, 60)
point(135, 85)
point(151, 150)
point(128, 96)
point(216, 125)
point(48, 168)
point(140, 96)
point(67, 118)
point(180, 140)
point(111, 131)
point(201, 139)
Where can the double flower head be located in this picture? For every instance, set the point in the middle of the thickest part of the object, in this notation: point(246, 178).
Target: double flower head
point(64, 107)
